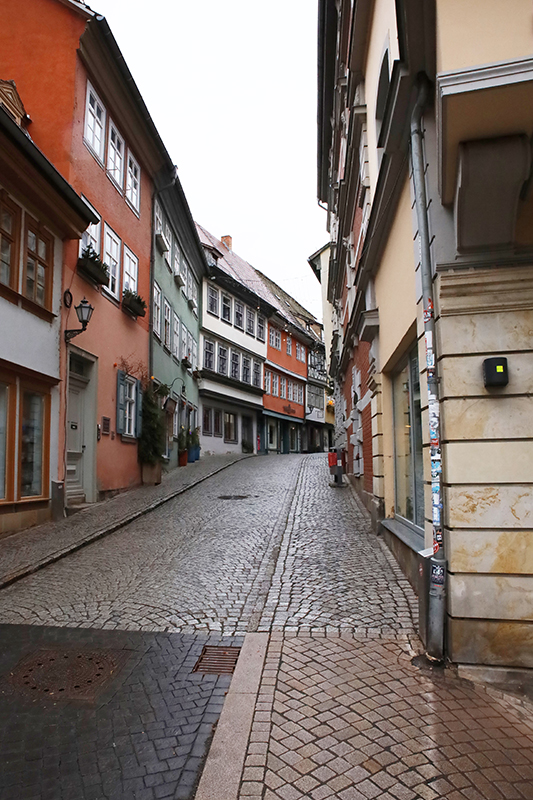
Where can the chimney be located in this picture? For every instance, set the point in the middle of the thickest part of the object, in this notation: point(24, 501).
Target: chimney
point(226, 240)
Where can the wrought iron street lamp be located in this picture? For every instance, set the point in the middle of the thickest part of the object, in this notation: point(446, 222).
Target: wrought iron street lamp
point(84, 313)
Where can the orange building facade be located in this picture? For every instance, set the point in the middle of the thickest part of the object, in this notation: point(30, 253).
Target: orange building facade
point(88, 118)
point(285, 388)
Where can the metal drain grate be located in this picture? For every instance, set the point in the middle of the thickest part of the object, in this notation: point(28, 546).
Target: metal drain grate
point(233, 496)
point(67, 674)
point(217, 660)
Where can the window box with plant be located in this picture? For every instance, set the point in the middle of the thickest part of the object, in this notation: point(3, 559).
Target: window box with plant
point(91, 267)
point(186, 363)
point(133, 303)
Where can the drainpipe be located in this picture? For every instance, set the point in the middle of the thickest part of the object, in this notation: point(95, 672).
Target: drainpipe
point(437, 577)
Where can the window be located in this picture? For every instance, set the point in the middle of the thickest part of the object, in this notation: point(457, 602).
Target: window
point(275, 338)
point(217, 422)
point(157, 310)
point(112, 259)
point(315, 397)
point(275, 384)
point(239, 315)
point(209, 350)
point(189, 345)
point(39, 264)
point(32, 444)
point(194, 296)
point(176, 336)
point(9, 239)
point(235, 365)
point(207, 422)
point(91, 236)
point(289, 346)
point(246, 376)
point(212, 300)
point(184, 333)
point(408, 460)
point(300, 352)
point(257, 374)
point(226, 308)
point(261, 328)
point(176, 421)
point(129, 402)
point(131, 266)
point(167, 317)
point(189, 284)
point(129, 405)
point(290, 387)
point(268, 378)
point(230, 427)
point(183, 272)
point(283, 388)
point(133, 186)
point(250, 321)
point(94, 122)
point(158, 218)
point(222, 359)
point(300, 399)
point(194, 354)
point(115, 156)
point(177, 259)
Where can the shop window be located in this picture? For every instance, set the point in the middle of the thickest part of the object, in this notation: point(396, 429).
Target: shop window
point(230, 427)
point(207, 422)
point(408, 459)
point(3, 439)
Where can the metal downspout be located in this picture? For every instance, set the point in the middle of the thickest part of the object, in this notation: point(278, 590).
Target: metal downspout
point(437, 578)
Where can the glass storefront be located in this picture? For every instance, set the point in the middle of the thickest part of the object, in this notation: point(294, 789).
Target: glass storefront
point(408, 457)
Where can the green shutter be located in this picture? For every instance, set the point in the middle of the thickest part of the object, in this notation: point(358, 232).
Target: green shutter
point(139, 409)
point(121, 405)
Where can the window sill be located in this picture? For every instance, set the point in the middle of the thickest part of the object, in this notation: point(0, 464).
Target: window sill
point(212, 313)
point(9, 293)
point(227, 321)
point(127, 439)
point(411, 536)
point(132, 208)
point(39, 311)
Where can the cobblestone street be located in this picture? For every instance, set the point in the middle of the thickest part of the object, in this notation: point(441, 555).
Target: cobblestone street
point(267, 555)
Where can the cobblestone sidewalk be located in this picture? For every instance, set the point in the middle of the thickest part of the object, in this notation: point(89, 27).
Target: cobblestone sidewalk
point(353, 718)
point(24, 552)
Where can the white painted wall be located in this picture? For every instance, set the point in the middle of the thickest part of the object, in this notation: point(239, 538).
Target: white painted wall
point(226, 331)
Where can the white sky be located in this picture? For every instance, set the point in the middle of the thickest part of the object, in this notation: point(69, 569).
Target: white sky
point(231, 87)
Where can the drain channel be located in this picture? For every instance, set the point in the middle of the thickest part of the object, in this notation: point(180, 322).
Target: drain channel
point(217, 660)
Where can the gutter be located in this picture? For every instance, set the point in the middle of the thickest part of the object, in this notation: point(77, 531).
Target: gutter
point(437, 580)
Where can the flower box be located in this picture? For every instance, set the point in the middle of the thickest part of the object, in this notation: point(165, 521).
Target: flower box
point(92, 268)
point(134, 304)
point(185, 363)
point(179, 279)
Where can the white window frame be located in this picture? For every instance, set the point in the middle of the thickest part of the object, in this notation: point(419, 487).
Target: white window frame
point(268, 378)
point(112, 260)
point(175, 335)
point(283, 388)
point(133, 182)
point(177, 258)
point(183, 341)
point(289, 346)
point(235, 361)
point(290, 391)
point(227, 305)
point(212, 300)
point(222, 361)
point(184, 269)
point(167, 324)
point(238, 308)
point(158, 218)
point(246, 369)
point(114, 153)
point(261, 328)
point(275, 384)
point(274, 338)
point(250, 321)
point(90, 133)
point(157, 310)
point(256, 375)
point(130, 270)
point(209, 354)
point(300, 399)
point(92, 235)
point(130, 411)
point(194, 354)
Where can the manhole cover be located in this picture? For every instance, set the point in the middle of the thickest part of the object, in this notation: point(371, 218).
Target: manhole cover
point(217, 660)
point(233, 496)
point(68, 674)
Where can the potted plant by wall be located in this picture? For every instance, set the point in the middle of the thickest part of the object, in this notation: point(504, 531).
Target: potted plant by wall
point(186, 362)
point(92, 267)
point(195, 443)
point(182, 447)
point(133, 303)
point(152, 438)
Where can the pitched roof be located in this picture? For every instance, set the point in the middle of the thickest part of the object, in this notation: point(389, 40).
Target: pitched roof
point(290, 309)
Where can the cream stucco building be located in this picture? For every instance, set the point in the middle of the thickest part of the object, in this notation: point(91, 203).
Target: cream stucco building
point(425, 126)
